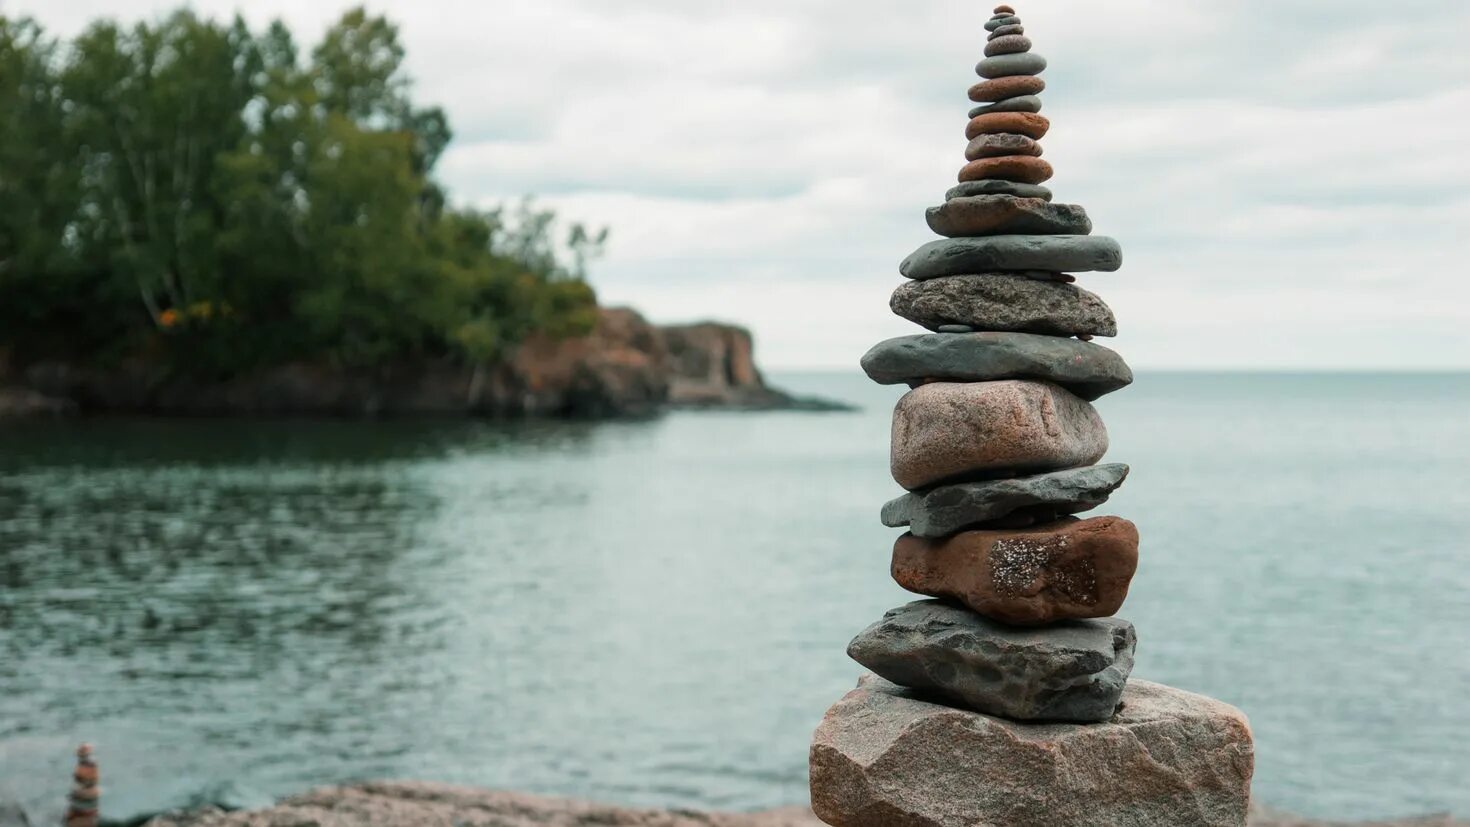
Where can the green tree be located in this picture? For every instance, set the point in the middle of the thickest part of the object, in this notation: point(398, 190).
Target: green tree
point(191, 191)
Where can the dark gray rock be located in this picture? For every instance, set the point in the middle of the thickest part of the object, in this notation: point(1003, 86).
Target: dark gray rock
point(884, 758)
point(953, 508)
point(994, 187)
point(1002, 31)
point(1072, 671)
point(996, 22)
point(1056, 253)
point(1020, 103)
point(1004, 303)
point(953, 328)
point(1005, 66)
point(1085, 369)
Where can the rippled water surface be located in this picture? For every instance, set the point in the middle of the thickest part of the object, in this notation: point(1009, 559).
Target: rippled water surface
point(655, 612)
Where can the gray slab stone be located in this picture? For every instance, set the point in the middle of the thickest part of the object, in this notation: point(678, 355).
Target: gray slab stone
point(1071, 671)
point(996, 22)
point(1005, 66)
point(1058, 253)
point(997, 302)
point(884, 758)
point(1002, 31)
point(1087, 370)
point(1020, 103)
point(970, 189)
point(949, 509)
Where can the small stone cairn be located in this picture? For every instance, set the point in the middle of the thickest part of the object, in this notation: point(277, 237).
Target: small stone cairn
point(81, 808)
point(1005, 701)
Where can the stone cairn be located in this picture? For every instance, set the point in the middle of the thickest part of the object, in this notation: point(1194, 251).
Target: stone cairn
point(81, 808)
point(1006, 700)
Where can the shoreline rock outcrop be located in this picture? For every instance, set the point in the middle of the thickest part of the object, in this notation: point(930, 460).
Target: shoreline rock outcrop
point(392, 804)
point(1007, 701)
point(627, 367)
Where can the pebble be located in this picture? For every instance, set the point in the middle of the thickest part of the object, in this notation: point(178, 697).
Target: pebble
point(955, 328)
point(1006, 215)
point(948, 431)
point(1004, 10)
point(994, 187)
point(1020, 103)
point(1001, 143)
point(1025, 169)
point(1004, 31)
point(1004, 66)
point(1073, 673)
point(1030, 124)
point(1001, 20)
point(999, 89)
point(951, 509)
point(1000, 253)
point(1008, 45)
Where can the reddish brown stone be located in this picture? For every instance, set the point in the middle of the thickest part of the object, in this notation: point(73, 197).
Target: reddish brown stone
point(998, 89)
point(947, 431)
point(1009, 44)
point(1030, 124)
point(1004, 10)
point(1067, 570)
point(1023, 168)
point(1005, 214)
point(995, 145)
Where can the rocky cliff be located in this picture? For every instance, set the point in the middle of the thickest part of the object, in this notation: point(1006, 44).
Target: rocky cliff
point(625, 367)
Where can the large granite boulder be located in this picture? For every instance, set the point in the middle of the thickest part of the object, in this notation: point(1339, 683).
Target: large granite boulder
point(1072, 671)
point(948, 431)
point(1067, 570)
point(884, 758)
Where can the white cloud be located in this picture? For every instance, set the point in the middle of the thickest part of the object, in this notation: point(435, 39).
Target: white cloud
point(1289, 184)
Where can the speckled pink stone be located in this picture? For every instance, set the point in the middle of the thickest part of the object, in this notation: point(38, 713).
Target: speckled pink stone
point(946, 431)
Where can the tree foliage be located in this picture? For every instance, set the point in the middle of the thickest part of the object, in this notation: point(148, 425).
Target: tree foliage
point(196, 192)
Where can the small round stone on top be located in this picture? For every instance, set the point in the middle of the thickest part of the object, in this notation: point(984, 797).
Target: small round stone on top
point(1004, 10)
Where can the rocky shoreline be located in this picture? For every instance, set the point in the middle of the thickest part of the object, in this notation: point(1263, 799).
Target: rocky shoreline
point(626, 367)
point(401, 803)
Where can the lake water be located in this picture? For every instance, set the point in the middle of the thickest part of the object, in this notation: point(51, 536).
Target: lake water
point(655, 612)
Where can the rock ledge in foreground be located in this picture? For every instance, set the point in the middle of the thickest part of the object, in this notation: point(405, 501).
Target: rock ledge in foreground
point(882, 758)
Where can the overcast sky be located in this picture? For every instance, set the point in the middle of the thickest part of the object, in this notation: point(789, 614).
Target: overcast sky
point(1290, 180)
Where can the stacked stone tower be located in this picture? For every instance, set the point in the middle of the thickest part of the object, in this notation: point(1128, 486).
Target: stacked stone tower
point(81, 810)
point(1006, 700)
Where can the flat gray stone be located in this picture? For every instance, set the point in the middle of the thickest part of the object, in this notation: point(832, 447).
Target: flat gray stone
point(1070, 671)
point(998, 302)
point(1087, 370)
point(989, 254)
point(1005, 66)
point(996, 22)
point(955, 328)
point(884, 758)
point(950, 509)
point(1002, 31)
point(1020, 103)
point(995, 187)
